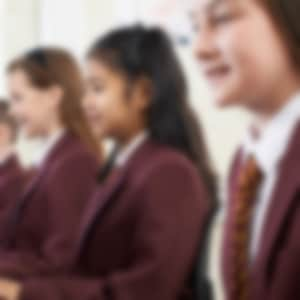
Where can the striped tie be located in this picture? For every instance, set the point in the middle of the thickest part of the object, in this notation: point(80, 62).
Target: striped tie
point(243, 204)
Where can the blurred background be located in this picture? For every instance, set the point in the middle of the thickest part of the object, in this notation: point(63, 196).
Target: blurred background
point(74, 24)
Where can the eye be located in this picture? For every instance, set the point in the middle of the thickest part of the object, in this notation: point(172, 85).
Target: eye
point(195, 27)
point(223, 14)
point(98, 88)
point(95, 87)
point(222, 18)
point(16, 98)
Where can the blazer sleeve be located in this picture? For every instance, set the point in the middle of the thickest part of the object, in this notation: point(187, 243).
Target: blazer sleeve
point(71, 184)
point(172, 210)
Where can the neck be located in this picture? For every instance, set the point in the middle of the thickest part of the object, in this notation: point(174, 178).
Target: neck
point(53, 129)
point(277, 101)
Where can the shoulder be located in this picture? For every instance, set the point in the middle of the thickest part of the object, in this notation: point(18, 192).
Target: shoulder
point(75, 156)
point(165, 164)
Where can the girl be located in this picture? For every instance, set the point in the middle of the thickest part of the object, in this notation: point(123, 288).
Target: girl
point(45, 88)
point(140, 234)
point(249, 52)
point(12, 175)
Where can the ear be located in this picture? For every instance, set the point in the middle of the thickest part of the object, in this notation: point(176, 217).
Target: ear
point(143, 93)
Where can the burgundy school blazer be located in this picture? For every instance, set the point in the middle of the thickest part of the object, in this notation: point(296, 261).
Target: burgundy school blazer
point(12, 178)
point(276, 269)
point(42, 227)
point(139, 236)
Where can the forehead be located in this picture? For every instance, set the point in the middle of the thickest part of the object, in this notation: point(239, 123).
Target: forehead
point(206, 6)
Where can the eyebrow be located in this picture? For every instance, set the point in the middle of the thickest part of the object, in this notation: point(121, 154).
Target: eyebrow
point(211, 6)
point(214, 4)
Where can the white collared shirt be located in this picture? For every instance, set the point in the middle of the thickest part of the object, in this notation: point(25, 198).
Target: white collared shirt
point(45, 147)
point(130, 149)
point(268, 151)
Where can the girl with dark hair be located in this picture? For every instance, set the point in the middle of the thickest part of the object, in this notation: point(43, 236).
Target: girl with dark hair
point(46, 89)
point(140, 235)
point(250, 53)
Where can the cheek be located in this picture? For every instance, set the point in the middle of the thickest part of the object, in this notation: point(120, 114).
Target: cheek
point(236, 46)
point(34, 115)
point(100, 113)
point(20, 110)
point(247, 61)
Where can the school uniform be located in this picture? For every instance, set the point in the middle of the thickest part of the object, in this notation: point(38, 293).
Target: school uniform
point(274, 231)
point(42, 227)
point(140, 234)
point(11, 185)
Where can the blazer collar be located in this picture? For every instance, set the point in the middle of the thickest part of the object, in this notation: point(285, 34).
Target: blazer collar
point(288, 184)
point(10, 164)
point(55, 153)
point(107, 193)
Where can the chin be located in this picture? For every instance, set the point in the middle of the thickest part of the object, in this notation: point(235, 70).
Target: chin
point(222, 102)
point(226, 100)
point(29, 133)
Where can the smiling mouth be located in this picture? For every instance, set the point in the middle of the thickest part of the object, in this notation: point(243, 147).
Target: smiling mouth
point(217, 74)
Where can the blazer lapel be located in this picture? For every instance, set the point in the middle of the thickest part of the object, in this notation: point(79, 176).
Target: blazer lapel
point(107, 193)
point(288, 184)
point(101, 199)
point(55, 153)
point(34, 184)
point(8, 169)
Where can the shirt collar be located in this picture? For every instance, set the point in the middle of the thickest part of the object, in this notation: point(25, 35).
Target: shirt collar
point(129, 150)
point(274, 139)
point(46, 146)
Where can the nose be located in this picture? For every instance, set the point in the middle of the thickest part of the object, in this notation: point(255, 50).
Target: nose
point(13, 110)
point(205, 46)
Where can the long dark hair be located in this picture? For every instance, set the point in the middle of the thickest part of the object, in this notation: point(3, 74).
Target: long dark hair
point(137, 51)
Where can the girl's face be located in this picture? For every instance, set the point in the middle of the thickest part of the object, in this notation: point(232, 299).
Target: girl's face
point(113, 109)
point(240, 52)
point(34, 109)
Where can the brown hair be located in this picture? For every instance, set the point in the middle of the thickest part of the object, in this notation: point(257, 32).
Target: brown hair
point(53, 66)
point(285, 15)
point(6, 119)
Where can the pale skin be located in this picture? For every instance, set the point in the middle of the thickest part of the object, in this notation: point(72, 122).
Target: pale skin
point(243, 56)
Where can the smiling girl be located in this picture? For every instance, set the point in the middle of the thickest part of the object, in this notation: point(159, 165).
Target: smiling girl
point(249, 52)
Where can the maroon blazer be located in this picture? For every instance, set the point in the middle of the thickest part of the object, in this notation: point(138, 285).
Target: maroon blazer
point(276, 269)
point(12, 177)
point(42, 228)
point(139, 236)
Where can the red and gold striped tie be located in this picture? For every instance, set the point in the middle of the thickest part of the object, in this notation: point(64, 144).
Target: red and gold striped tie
point(243, 205)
